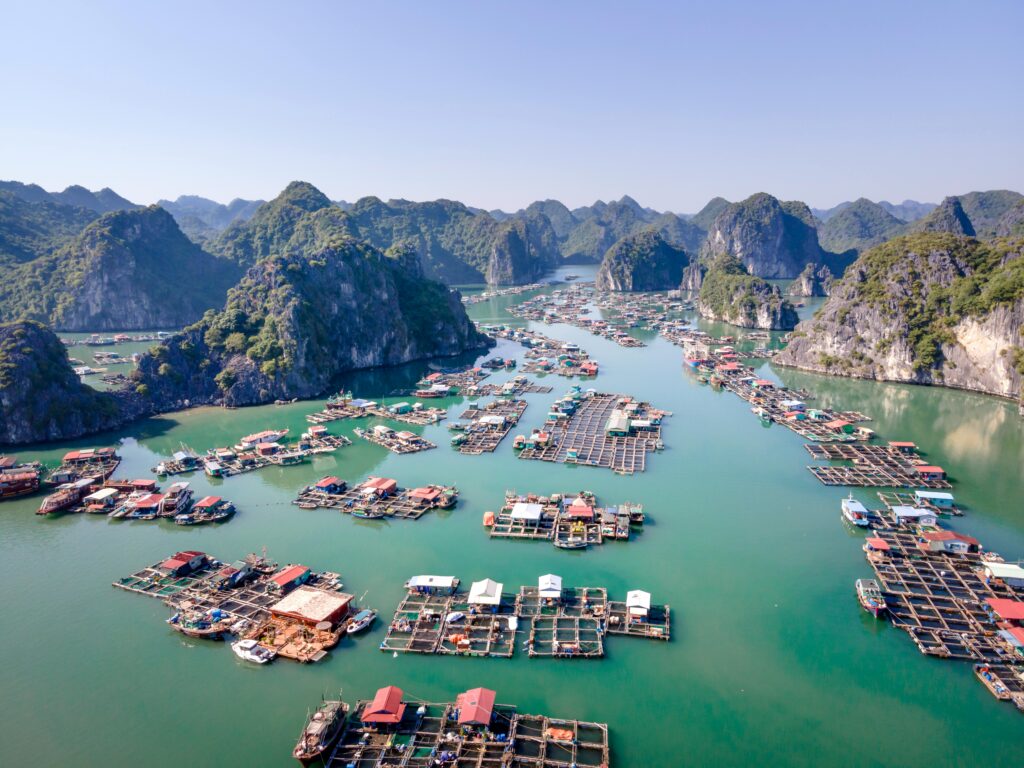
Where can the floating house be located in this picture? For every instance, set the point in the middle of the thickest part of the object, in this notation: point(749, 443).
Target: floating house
point(949, 541)
point(549, 587)
point(638, 604)
point(475, 706)
point(930, 472)
point(232, 575)
point(486, 592)
point(1011, 574)
point(906, 515)
point(184, 563)
point(290, 577)
point(331, 484)
point(433, 585)
point(386, 708)
point(939, 499)
point(903, 446)
point(312, 606)
point(527, 513)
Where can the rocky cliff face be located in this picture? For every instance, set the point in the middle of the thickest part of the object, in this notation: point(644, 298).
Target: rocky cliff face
point(948, 217)
point(693, 276)
point(773, 239)
point(524, 249)
point(642, 262)
point(41, 398)
point(323, 306)
point(128, 270)
point(813, 281)
point(928, 309)
point(730, 294)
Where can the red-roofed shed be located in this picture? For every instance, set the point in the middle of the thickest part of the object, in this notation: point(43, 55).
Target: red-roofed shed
point(207, 502)
point(426, 494)
point(476, 706)
point(291, 576)
point(386, 707)
point(1006, 609)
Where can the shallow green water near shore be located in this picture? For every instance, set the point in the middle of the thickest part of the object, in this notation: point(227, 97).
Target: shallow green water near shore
point(772, 662)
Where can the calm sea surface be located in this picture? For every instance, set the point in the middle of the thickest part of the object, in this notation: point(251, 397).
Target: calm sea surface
point(772, 662)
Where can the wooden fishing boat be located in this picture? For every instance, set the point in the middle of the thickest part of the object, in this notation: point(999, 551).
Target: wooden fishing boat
point(870, 596)
point(209, 625)
point(321, 732)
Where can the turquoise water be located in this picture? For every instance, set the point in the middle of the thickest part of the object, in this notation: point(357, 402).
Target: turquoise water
point(772, 661)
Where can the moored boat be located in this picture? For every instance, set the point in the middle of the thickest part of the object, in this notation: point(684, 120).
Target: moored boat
point(19, 482)
point(361, 621)
point(870, 596)
point(855, 513)
point(207, 625)
point(321, 731)
point(251, 650)
point(65, 497)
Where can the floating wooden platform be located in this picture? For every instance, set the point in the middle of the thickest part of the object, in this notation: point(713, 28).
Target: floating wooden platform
point(584, 434)
point(483, 437)
point(403, 504)
point(871, 466)
point(397, 442)
point(574, 625)
point(428, 735)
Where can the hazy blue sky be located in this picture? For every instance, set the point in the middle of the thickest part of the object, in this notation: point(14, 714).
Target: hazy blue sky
point(498, 104)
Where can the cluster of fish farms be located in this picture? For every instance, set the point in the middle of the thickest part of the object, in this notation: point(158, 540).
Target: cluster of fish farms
point(435, 617)
point(954, 599)
point(291, 611)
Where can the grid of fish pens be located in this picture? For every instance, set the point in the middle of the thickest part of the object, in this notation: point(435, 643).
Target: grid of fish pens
point(582, 439)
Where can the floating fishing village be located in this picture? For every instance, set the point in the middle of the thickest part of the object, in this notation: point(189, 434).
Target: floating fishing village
point(955, 599)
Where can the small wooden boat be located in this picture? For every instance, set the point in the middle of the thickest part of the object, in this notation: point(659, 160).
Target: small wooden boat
point(321, 732)
point(211, 625)
point(870, 596)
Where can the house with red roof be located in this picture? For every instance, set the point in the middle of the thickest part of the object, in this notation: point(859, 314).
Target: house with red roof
point(475, 706)
point(290, 577)
point(386, 708)
point(948, 541)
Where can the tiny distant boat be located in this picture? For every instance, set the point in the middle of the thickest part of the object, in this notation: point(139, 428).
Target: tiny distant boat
point(209, 625)
point(855, 513)
point(870, 596)
point(519, 443)
point(459, 439)
point(361, 621)
point(322, 729)
point(250, 650)
point(488, 519)
point(366, 513)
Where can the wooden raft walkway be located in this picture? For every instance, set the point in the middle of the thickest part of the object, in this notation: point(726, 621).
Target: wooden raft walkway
point(584, 433)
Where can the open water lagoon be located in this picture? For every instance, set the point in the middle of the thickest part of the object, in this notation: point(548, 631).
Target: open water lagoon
point(772, 661)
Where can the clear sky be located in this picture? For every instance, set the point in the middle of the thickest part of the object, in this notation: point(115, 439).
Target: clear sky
point(501, 103)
